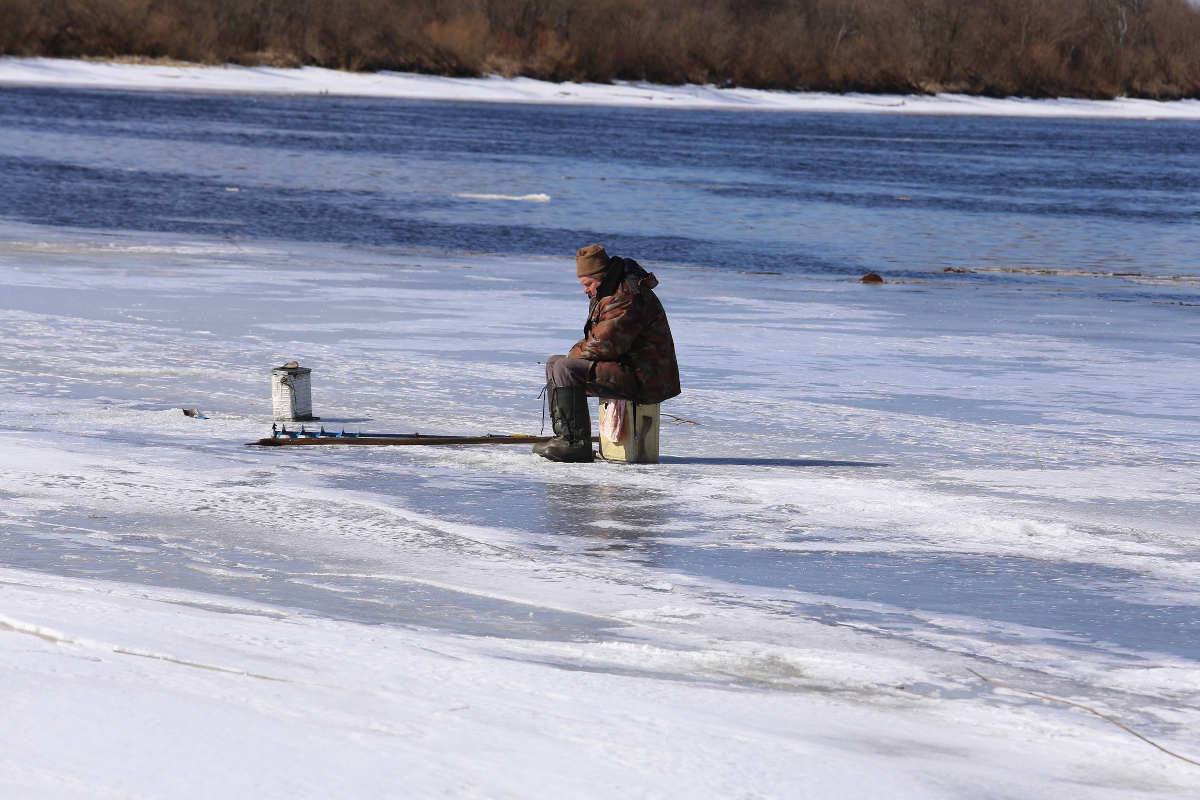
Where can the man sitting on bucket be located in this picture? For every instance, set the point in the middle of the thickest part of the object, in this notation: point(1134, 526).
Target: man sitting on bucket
point(626, 352)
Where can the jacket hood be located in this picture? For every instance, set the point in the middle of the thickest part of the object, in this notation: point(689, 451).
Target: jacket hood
point(636, 277)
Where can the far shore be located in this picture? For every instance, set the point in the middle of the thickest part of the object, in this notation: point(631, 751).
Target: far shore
point(315, 81)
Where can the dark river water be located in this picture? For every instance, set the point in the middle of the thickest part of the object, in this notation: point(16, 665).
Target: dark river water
point(751, 191)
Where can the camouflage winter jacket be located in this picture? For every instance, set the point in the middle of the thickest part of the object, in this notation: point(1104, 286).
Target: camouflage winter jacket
point(628, 337)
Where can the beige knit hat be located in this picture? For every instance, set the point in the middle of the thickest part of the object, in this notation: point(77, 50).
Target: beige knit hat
point(590, 261)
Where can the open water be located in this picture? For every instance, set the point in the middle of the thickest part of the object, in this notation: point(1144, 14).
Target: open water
point(757, 192)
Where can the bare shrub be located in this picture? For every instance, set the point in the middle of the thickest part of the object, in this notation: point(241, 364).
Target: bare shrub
point(1093, 48)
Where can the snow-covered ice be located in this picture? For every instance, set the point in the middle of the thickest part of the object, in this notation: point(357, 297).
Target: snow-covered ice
point(318, 81)
point(892, 492)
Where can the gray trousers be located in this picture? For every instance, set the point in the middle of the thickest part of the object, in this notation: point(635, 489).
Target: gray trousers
point(562, 371)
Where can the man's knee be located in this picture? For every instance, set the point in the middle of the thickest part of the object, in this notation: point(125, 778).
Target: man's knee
point(552, 367)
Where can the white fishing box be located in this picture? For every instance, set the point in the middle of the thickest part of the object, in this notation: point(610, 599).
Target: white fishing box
point(291, 394)
point(639, 434)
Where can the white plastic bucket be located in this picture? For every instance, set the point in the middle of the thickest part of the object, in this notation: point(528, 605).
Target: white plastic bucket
point(291, 394)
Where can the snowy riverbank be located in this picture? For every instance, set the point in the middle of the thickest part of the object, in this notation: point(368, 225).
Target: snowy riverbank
point(317, 81)
point(799, 602)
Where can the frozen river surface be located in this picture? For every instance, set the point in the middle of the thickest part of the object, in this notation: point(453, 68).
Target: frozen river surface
point(905, 507)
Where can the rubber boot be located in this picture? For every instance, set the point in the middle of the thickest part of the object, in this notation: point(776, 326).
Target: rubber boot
point(572, 440)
